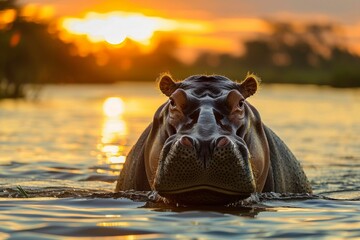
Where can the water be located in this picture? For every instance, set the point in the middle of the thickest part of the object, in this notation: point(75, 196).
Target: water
point(66, 153)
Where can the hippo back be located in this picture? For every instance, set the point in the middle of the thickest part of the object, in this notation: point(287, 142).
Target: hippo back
point(133, 175)
point(287, 173)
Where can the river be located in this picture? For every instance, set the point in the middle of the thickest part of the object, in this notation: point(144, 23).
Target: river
point(66, 149)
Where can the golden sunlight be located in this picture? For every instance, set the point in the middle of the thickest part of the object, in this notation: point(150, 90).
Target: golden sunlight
point(114, 134)
point(7, 17)
point(113, 107)
point(113, 141)
point(112, 127)
point(115, 27)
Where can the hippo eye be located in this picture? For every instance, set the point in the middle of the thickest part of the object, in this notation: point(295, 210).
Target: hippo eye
point(241, 103)
point(172, 102)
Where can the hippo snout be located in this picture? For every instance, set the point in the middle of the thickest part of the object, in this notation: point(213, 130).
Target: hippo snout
point(204, 149)
point(218, 167)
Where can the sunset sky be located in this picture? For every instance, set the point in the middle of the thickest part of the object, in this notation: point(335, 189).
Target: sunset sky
point(342, 11)
point(215, 25)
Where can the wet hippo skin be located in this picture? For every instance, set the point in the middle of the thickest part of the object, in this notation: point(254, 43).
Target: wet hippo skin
point(208, 145)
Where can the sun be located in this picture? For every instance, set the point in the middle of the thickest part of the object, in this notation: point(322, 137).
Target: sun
point(115, 27)
point(113, 107)
point(115, 38)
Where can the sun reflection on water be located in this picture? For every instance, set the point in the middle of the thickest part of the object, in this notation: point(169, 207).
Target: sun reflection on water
point(113, 145)
point(113, 106)
point(114, 131)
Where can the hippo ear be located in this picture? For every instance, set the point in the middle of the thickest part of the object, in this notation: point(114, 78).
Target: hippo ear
point(167, 84)
point(249, 86)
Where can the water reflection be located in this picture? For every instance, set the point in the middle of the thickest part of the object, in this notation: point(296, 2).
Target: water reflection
point(113, 107)
point(114, 131)
point(113, 143)
point(321, 126)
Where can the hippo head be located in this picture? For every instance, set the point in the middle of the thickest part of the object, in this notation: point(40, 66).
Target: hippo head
point(211, 148)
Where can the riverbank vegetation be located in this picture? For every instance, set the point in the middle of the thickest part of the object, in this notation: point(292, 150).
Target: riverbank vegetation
point(33, 53)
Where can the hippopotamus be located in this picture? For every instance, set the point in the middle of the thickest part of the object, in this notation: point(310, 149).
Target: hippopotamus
point(208, 145)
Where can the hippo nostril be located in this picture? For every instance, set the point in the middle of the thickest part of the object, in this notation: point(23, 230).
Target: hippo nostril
point(187, 141)
point(222, 142)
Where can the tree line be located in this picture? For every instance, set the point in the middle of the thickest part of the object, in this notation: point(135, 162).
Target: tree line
point(29, 54)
